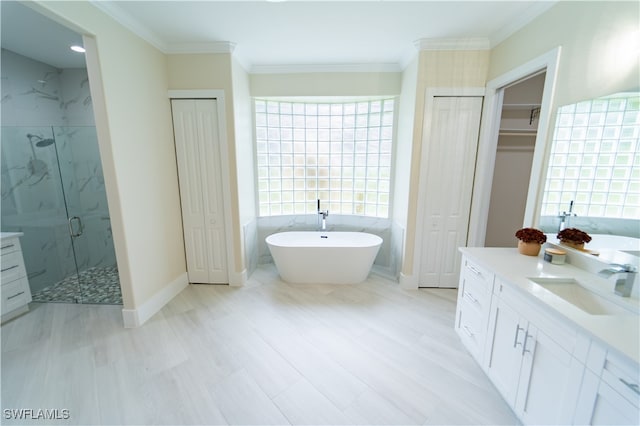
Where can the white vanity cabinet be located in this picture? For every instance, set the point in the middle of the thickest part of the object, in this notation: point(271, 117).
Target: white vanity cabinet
point(472, 313)
point(15, 291)
point(610, 392)
point(552, 362)
point(529, 359)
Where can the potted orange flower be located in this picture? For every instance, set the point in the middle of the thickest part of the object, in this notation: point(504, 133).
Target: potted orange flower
point(530, 241)
point(573, 237)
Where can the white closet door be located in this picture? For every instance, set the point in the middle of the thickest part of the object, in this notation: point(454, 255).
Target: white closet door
point(452, 146)
point(198, 153)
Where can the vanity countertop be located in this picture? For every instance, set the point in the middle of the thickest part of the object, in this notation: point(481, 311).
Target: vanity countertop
point(621, 332)
point(7, 235)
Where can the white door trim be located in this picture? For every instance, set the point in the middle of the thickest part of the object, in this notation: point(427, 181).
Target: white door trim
point(430, 94)
point(224, 159)
point(489, 128)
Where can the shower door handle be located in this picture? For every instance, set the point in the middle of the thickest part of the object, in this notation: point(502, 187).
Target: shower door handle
point(71, 231)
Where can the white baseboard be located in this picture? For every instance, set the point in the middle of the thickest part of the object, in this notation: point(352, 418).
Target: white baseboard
point(136, 317)
point(409, 282)
point(238, 279)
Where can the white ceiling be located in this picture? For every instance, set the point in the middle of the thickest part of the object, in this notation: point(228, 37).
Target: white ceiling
point(267, 35)
point(35, 36)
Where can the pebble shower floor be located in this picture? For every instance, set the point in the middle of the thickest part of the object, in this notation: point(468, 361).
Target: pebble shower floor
point(97, 285)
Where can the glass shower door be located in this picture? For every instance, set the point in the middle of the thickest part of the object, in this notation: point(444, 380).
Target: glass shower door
point(33, 203)
point(88, 214)
point(53, 191)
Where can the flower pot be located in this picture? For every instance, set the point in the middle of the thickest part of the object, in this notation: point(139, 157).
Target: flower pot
point(573, 244)
point(529, 249)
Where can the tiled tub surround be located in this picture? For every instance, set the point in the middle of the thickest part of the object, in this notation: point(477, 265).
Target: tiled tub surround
point(386, 262)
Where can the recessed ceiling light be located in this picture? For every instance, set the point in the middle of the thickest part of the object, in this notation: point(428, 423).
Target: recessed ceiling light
point(77, 48)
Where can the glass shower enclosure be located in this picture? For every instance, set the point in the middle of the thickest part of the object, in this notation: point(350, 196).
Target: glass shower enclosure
point(53, 191)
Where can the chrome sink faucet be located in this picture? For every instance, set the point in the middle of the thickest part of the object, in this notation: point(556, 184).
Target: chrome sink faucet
point(624, 284)
point(324, 214)
point(564, 217)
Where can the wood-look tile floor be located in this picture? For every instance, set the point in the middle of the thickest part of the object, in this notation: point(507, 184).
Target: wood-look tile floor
point(266, 353)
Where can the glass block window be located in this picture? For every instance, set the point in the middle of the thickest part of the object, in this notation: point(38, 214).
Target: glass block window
point(595, 159)
point(338, 152)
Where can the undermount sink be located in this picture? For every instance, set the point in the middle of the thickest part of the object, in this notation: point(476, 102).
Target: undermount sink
point(571, 291)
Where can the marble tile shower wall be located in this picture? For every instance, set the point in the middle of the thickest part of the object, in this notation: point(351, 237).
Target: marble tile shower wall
point(55, 103)
point(386, 262)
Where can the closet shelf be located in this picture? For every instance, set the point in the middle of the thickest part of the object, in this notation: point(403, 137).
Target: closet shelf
point(517, 132)
point(520, 106)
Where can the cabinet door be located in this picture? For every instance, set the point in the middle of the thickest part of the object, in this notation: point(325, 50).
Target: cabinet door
point(549, 381)
point(600, 403)
point(507, 331)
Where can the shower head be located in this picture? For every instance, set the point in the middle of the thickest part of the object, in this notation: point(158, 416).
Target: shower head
point(41, 142)
point(45, 142)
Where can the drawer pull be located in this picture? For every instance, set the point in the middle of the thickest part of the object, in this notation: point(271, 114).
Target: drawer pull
point(10, 268)
point(474, 270)
point(469, 296)
point(7, 246)
point(15, 295)
point(469, 332)
point(634, 387)
point(524, 347)
point(515, 339)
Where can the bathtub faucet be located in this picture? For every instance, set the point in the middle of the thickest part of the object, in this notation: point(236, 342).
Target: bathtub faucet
point(324, 214)
point(565, 217)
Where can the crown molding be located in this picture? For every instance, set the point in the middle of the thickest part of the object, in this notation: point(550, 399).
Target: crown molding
point(535, 10)
point(210, 47)
point(469, 43)
point(324, 68)
point(130, 23)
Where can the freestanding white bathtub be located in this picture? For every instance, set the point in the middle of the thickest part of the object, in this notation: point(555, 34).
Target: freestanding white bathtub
point(323, 257)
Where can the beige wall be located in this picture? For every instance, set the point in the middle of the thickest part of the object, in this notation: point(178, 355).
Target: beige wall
point(138, 152)
point(404, 144)
point(243, 108)
point(436, 69)
point(327, 84)
point(208, 71)
point(600, 48)
point(600, 53)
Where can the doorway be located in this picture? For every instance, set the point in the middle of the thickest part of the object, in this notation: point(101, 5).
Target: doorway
point(514, 157)
point(488, 144)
